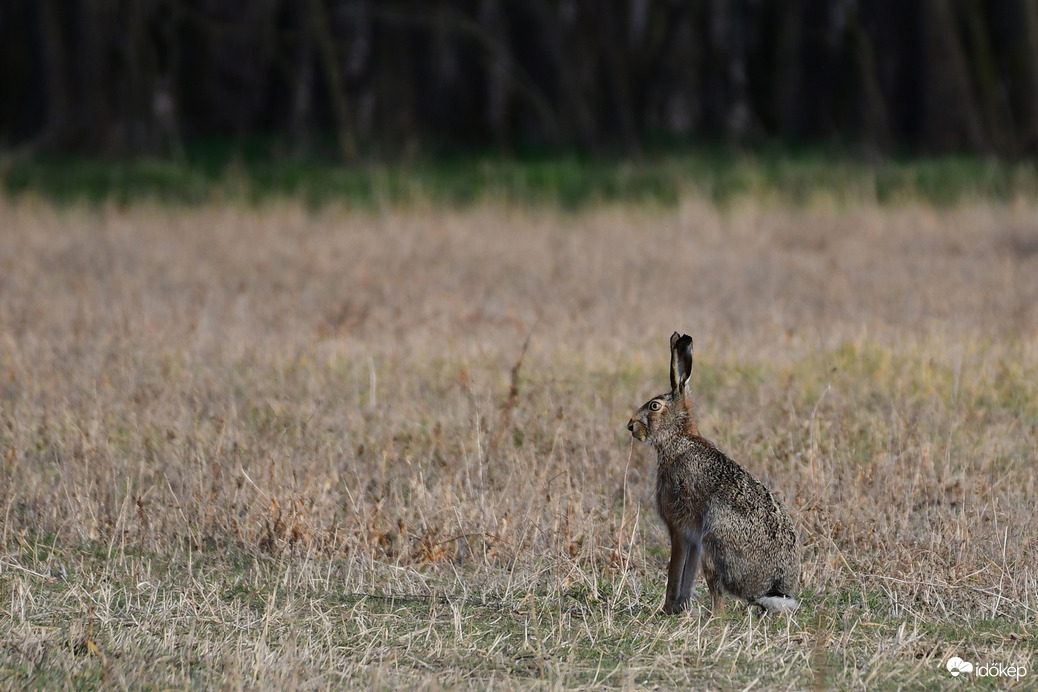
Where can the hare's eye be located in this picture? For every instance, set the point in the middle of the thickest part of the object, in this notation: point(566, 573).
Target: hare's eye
point(655, 406)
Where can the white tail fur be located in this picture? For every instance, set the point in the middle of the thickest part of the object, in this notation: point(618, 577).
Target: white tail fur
point(777, 604)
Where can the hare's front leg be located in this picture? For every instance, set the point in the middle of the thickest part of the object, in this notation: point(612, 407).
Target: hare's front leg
point(684, 561)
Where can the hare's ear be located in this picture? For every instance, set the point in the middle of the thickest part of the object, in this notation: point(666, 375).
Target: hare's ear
point(680, 361)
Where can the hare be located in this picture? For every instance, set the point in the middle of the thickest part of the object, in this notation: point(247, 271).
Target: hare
point(716, 512)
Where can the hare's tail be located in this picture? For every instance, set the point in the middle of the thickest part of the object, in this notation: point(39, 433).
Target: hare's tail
point(777, 603)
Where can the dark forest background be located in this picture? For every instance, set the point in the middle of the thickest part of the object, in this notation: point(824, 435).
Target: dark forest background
point(361, 78)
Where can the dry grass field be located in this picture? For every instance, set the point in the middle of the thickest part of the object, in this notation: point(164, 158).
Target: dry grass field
point(272, 448)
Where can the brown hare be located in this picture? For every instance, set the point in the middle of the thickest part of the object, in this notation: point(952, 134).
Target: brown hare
point(716, 512)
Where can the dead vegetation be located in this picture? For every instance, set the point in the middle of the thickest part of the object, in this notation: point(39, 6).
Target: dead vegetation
point(273, 449)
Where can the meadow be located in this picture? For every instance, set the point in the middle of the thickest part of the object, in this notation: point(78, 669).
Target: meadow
point(278, 446)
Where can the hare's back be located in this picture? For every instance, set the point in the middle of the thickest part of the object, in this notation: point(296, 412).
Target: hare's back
point(744, 512)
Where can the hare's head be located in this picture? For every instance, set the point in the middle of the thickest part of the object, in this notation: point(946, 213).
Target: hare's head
point(667, 415)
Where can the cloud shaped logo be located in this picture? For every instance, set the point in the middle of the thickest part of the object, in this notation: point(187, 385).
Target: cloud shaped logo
point(956, 665)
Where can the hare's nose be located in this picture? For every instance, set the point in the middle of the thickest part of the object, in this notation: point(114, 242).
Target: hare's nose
point(630, 425)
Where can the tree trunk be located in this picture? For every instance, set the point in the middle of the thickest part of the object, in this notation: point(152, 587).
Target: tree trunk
point(991, 93)
point(57, 131)
point(875, 125)
point(498, 99)
point(950, 119)
point(321, 27)
point(577, 110)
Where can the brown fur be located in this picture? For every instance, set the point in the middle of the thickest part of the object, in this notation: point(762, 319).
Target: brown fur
point(716, 512)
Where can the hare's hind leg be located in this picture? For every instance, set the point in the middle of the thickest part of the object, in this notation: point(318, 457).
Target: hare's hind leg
point(714, 585)
point(684, 561)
